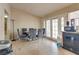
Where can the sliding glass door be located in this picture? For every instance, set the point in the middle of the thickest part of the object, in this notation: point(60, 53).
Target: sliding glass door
point(48, 28)
point(62, 23)
point(54, 28)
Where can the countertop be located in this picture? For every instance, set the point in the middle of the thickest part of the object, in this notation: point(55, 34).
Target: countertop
point(72, 32)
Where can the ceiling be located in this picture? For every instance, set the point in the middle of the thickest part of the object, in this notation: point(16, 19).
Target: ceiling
point(39, 9)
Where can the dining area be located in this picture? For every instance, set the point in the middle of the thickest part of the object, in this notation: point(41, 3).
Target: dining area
point(30, 34)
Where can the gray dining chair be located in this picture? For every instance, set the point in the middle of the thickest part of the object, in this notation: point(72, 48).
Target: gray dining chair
point(40, 33)
point(44, 32)
point(32, 34)
point(21, 35)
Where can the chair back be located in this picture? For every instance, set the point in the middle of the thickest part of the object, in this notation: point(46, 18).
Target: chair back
point(40, 33)
point(24, 30)
point(32, 33)
point(44, 32)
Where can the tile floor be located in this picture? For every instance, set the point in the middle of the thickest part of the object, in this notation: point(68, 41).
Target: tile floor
point(38, 47)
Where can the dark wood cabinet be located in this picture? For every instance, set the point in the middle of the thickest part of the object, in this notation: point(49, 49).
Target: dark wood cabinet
point(71, 41)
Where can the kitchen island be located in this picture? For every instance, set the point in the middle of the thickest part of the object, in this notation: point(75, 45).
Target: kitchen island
point(71, 41)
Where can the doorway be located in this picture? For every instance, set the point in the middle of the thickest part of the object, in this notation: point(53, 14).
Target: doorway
point(6, 24)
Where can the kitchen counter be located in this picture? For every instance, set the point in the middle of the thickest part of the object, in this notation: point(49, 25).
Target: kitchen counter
point(71, 32)
point(71, 41)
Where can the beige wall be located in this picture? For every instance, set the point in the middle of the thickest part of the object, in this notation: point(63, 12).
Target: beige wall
point(24, 20)
point(2, 14)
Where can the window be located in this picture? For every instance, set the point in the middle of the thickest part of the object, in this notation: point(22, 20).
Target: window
point(74, 15)
point(77, 22)
point(62, 23)
point(54, 28)
point(48, 32)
